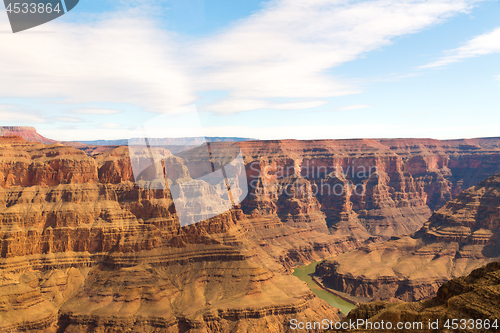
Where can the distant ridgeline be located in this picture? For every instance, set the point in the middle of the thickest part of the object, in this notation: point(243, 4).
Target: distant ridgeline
point(30, 134)
point(169, 141)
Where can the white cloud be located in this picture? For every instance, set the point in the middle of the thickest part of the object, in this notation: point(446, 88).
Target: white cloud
point(480, 45)
point(286, 49)
point(353, 107)
point(122, 58)
point(233, 105)
point(283, 51)
point(110, 125)
point(11, 113)
point(95, 111)
point(69, 119)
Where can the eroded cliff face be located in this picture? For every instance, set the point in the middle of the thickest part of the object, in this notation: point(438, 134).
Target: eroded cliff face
point(85, 248)
point(463, 235)
point(365, 188)
point(26, 132)
point(476, 297)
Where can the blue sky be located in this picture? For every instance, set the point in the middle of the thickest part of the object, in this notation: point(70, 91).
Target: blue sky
point(299, 69)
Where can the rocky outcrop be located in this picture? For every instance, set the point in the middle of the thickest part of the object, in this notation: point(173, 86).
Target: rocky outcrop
point(24, 164)
point(476, 297)
point(25, 132)
point(461, 236)
point(359, 188)
point(365, 187)
point(82, 247)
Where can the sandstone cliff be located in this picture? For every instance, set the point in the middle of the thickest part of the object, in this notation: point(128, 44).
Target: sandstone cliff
point(25, 132)
point(365, 188)
point(476, 297)
point(83, 248)
point(461, 236)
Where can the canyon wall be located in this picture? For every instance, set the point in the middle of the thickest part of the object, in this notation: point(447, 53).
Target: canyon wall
point(470, 303)
point(84, 247)
point(26, 132)
point(365, 188)
point(461, 236)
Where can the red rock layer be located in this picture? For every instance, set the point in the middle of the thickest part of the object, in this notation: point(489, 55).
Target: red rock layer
point(364, 187)
point(458, 238)
point(25, 132)
point(473, 300)
point(89, 248)
point(82, 247)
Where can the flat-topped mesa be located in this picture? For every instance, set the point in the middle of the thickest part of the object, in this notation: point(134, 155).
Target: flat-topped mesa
point(26, 132)
point(459, 237)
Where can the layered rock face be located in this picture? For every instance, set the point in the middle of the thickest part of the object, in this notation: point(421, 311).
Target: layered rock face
point(365, 188)
point(83, 248)
point(474, 297)
point(25, 132)
point(461, 236)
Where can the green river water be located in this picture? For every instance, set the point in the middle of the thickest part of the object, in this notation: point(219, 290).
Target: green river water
point(302, 272)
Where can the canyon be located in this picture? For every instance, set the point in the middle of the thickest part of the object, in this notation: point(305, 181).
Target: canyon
point(469, 302)
point(84, 247)
point(461, 236)
point(364, 188)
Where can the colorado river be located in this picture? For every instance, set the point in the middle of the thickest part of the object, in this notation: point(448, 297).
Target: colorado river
point(302, 272)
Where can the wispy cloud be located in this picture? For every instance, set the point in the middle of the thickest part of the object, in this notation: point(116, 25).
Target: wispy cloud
point(353, 107)
point(233, 105)
point(69, 119)
point(286, 49)
point(120, 58)
point(95, 111)
point(12, 113)
point(484, 44)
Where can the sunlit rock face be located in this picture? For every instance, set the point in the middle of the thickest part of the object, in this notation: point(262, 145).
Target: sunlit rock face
point(83, 246)
point(472, 296)
point(461, 236)
point(25, 132)
point(365, 188)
